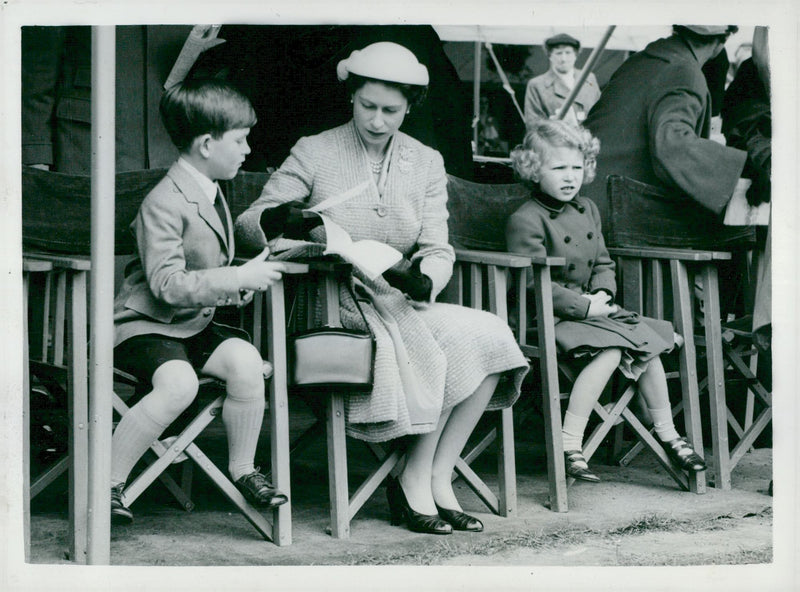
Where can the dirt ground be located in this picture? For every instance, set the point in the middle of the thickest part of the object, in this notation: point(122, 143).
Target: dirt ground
point(636, 516)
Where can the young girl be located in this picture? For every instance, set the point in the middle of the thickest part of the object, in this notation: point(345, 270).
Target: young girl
point(555, 160)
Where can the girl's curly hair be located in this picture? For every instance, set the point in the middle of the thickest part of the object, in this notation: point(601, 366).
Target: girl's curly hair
point(544, 134)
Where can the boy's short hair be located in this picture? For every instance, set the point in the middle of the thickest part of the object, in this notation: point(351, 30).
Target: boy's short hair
point(204, 106)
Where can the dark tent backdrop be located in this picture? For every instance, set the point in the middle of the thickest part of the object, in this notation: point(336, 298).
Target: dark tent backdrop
point(289, 72)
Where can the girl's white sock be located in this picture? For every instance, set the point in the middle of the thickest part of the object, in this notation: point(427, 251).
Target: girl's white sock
point(662, 422)
point(572, 431)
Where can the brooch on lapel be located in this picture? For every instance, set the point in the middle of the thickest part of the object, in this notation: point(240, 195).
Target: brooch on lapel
point(404, 164)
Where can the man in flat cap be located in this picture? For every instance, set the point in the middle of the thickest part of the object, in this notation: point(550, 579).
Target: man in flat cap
point(545, 94)
point(653, 122)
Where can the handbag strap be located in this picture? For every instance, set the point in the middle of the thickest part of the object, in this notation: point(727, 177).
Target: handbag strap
point(352, 295)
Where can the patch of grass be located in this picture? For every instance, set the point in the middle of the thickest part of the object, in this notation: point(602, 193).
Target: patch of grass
point(444, 549)
point(648, 523)
point(435, 552)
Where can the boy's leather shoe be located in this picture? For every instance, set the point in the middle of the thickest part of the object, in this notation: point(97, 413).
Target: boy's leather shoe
point(258, 491)
point(119, 513)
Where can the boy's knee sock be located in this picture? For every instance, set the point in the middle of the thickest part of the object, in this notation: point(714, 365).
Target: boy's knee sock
point(243, 419)
point(662, 422)
point(135, 433)
point(572, 431)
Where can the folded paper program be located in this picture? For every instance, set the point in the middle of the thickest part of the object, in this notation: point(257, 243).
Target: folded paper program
point(370, 256)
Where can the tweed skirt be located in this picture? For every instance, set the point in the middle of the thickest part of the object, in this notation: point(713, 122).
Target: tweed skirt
point(461, 349)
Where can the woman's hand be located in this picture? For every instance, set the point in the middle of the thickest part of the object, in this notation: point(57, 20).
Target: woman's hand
point(599, 305)
point(407, 278)
point(287, 219)
point(258, 274)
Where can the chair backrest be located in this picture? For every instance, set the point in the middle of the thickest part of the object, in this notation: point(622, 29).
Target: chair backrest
point(56, 207)
point(478, 212)
point(643, 215)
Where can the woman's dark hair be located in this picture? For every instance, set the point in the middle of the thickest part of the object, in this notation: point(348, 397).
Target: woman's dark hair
point(204, 106)
point(414, 93)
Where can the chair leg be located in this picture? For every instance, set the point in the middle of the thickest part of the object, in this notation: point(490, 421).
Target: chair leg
point(279, 412)
point(716, 378)
point(506, 464)
point(78, 388)
point(337, 467)
point(682, 312)
point(551, 396)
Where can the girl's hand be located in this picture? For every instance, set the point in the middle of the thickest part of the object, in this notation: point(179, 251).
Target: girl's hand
point(258, 274)
point(599, 305)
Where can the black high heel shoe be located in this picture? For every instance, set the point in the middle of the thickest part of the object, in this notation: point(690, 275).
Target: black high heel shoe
point(460, 520)
point(400, 510)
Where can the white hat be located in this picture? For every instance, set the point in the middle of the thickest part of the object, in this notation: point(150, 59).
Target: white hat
point(384, 61)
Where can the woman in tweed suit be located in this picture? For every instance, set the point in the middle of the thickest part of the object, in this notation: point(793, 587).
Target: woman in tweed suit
point(456, 361)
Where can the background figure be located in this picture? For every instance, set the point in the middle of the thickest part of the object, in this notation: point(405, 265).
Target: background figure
point(56, 96)
point(489, 140)
point(545, 94)
point(653, 121)
point(747, 124)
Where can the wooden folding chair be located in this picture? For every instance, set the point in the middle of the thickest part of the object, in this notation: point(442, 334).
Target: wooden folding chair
point(319, 287)
point(643, 275)
point(57, 365)
point(178, 448)
point(478, 216)
point(55, 362)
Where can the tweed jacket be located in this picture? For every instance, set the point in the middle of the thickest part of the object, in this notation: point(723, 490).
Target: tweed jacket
point(450, 349)
point(653, 122)
point(183, 270)
point(411, 214)
point(572, 230)
point(546, 93)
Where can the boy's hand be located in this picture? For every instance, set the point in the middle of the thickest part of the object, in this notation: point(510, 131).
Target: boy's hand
point(599, 305)
point(258, 274)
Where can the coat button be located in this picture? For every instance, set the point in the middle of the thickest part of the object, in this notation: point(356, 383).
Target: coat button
point(581, 209)
point(567, 239)
point(590, 236)
point(571, 267)
point(553, 215)
point(381, 211)
point(590, 263)
point(207, 312)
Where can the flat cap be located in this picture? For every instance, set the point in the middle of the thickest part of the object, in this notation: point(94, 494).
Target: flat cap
point(562, 39)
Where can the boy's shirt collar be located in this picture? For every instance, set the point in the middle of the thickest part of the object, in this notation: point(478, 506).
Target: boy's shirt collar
point(210, 188)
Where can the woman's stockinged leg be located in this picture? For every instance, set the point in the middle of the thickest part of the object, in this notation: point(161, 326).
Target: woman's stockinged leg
point(416, 476)
point(462, 421)
point(238, 363)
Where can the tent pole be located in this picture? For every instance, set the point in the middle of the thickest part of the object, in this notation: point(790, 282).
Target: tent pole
point(587, 69)
point(102, 293)
point(476, 97)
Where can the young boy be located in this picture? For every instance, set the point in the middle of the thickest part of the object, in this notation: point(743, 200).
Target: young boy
point(164, 314)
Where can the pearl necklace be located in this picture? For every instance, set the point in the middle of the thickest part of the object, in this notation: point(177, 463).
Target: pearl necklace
point(376, 166)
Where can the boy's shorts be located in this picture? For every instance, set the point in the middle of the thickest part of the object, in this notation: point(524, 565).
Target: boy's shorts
point(141, 355)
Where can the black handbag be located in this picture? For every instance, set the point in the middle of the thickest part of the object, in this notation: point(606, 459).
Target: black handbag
point(331, 357)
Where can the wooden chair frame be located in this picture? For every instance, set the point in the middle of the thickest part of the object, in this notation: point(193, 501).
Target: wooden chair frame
point(66, 278)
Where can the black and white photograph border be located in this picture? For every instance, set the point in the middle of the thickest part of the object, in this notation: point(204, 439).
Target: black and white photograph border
point(489, 571)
